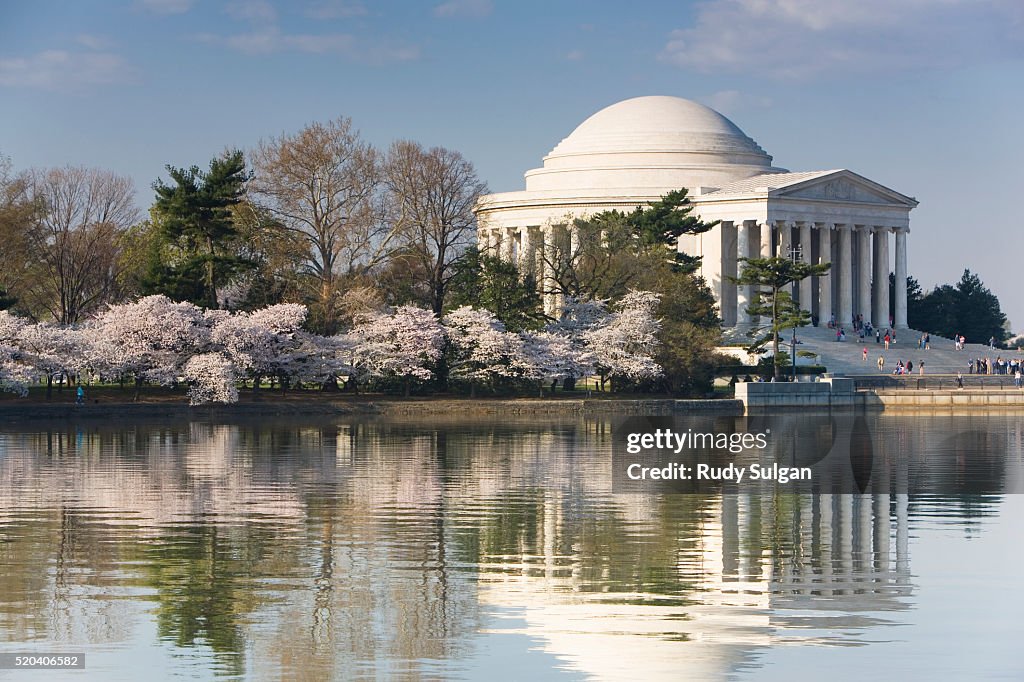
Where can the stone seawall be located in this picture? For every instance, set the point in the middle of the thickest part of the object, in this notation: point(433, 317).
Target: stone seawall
point(11, 412)
point(913, 399)
point(838, 393)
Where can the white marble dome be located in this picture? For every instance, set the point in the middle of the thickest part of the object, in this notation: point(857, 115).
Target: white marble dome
point(651, 145)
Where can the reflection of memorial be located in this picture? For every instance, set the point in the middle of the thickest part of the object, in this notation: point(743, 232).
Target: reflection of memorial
point(754, 571)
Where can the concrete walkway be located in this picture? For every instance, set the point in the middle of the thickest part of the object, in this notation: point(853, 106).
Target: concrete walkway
point(846, 357)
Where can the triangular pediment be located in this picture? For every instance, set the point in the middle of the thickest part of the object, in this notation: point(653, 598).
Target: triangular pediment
point(844, 186)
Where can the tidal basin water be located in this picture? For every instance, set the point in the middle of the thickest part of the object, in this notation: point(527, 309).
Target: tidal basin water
point(411, 549)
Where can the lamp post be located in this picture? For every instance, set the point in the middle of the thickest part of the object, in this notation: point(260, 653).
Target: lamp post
point(796, 254)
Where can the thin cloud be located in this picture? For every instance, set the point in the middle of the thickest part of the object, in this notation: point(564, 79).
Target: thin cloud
point(93, 42)
point(575, 55)
point(166, 6)
point(464, 8)
point(733, 101)
point(255, 11)
point(272, 40)
point(336, 9)
point(801, 39)
point(62, 70)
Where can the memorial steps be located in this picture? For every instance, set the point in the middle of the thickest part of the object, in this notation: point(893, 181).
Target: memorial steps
point(845, 357)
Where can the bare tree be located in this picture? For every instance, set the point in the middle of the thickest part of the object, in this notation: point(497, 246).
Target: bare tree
point(323, 183)
point(84, 211)
point(19, 221)
point(432, 194)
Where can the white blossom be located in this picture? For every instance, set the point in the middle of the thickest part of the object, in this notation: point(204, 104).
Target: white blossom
point(262, 343)
point(211, 378)
point(403, 344)
point(624, 343)
point(480, 348)
point(150, 339)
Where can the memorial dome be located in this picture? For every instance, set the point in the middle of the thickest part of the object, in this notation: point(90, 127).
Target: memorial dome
point(655, 143)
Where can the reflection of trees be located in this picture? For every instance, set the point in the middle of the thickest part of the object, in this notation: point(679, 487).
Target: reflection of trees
point(204, 580)
point(318, 549)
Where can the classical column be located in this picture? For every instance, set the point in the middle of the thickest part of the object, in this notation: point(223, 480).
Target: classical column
point(544, 253)
point(525, 252)
point(880, 318)
point(785, 238)
point(825, 281)
point(845, 275)
point(505, 250)
point(806, 284)
point(742, 290)
point(493, 241)
point(863, 273)
point(766, 240)
point(901, 279)
point(785, 246)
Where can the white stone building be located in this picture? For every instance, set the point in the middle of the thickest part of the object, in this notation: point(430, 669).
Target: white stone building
point(634, 152)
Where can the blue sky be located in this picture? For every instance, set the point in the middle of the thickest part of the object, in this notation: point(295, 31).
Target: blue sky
point(924, 96)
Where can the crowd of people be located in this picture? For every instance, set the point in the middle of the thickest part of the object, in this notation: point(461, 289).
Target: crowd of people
point(1004, 366)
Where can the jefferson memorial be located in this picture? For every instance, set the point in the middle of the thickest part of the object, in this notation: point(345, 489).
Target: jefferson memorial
point(636, 151)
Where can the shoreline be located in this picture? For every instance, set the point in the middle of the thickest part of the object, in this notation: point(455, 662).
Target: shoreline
point(941, 401)
point(12, 412)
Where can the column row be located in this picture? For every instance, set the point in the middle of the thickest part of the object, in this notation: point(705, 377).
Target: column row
point(855, 288)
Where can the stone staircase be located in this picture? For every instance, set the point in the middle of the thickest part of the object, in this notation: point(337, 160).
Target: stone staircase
point(846, 357)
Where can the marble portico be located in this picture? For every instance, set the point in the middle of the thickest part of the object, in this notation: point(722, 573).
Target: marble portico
point(634, 152)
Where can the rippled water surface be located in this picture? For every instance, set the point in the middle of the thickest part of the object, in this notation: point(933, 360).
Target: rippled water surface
point(425, 549)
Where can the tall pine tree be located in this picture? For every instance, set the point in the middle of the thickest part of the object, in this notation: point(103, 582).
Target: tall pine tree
point(195, 215)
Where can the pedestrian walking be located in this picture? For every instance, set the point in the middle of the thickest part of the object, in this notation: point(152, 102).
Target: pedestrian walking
point(887, 342)
point(920, 368)
point(80, 396)
point(864, 354)
point(960, 380)
point(881, 364)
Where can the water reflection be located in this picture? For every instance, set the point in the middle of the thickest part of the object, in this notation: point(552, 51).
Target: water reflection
point(404, 549)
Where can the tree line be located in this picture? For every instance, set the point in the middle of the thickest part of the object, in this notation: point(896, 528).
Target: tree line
point(321, 219)
point(968, 308)
point(159, 341)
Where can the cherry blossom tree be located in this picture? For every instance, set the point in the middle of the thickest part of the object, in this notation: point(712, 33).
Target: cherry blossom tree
point(149, 340)
point(624, 343)
point(263, 343)
point(15, 372)
point(211, 378)
point(479, 348)
point(55, 352)
point(403, 344)
point(549, 356)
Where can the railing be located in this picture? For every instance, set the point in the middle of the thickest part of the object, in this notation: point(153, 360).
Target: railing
point(937, 382)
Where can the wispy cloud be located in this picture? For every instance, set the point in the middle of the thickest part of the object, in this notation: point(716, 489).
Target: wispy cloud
point(336, 9)
point(93, 42)
point(255, 11)
point(272, 40)
point(733, 101)
point(464, 8)
point(166, 6)
point(63, 70)
point(264, 35)
point(810, 38)
point(575, 55)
